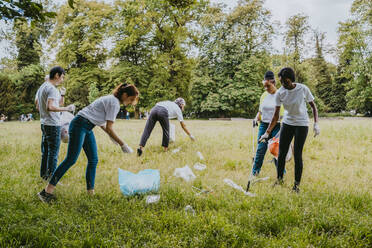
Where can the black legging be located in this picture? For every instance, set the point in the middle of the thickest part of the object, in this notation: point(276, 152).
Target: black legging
point(286, 135)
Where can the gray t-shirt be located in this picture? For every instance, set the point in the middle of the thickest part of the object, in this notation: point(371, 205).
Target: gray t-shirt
point(174, 110)
point(105, 108)
point(44, 93)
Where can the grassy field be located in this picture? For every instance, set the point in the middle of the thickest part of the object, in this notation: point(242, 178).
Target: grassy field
point(334, 208)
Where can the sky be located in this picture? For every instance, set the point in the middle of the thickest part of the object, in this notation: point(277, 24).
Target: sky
point(323, 15)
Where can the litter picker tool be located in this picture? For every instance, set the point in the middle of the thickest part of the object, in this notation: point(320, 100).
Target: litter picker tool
point(250, 178)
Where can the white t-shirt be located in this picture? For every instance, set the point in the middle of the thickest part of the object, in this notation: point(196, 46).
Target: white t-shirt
point(267, 107)
point(105, 108)
point(174, 110)
point(294, 102)
point(45, 92)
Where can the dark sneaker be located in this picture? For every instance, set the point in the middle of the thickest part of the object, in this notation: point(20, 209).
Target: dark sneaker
point(139, 152)
point(45, 197)
point(278, 182)
point(296, 189)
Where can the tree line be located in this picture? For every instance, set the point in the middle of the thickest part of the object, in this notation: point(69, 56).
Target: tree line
point(213, 58)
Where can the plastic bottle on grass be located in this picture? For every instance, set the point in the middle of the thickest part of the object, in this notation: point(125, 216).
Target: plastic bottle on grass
point(176, 150)
point(199, 166)
point(189, 210)
point(152, 199)
point(200, 155)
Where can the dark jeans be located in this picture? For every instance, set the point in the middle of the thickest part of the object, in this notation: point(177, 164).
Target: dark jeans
point(80, 136)
point(286, 135)
point(262, 147)
point(50, 141)
point(158, 113)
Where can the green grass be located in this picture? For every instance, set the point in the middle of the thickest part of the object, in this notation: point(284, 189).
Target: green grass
point(334, 208)
point(338, 114)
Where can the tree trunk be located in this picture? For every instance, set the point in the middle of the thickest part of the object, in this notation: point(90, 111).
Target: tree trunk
point(136, 112)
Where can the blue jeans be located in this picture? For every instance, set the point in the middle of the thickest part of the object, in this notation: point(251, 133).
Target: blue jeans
point(80, 136)
point(50, 141)
point(262, 147)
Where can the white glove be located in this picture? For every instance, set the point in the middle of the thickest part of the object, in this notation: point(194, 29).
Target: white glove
point(192, 137)
point(62, 90)
point(264, 137)
point(71, 108)
point(316, 129)
point(126, 149)
point(255, 122)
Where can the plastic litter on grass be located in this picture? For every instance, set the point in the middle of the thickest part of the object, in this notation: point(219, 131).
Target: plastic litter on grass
point(200, 155)
point(189, 210)
point(185, 173)
point(172, 133)
point(237, 187)
point(152, 199)
point(143, 182)
point(176, 150)
point(199, 166)
point(66, 118)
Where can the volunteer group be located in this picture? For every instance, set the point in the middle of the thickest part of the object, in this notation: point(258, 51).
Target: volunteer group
point(286, 105)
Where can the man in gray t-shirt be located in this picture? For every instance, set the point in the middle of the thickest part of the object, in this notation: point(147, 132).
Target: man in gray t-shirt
point(162, 112)
point(48, 100)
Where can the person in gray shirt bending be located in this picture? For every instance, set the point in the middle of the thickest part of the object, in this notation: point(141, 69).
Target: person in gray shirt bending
point(162, 112)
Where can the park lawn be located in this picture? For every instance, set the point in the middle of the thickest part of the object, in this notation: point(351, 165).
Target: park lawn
point(334, 208)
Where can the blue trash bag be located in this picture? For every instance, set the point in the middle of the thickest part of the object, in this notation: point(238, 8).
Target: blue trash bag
point(144, 181)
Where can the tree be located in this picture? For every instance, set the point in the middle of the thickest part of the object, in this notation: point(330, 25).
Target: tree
point(93, 92)
point(26, 83)
point(151, 39)
point(323, 80)
point(8, 100)
point(17, 90)
point(355, 56)
point(232, 60)
point(27, 75)
point(181, 3)
point(25, 36)
point(132, 36)
point(29, 9)
point(297, 27)
point(79, 37)
point(359, 95)
point(28, 39)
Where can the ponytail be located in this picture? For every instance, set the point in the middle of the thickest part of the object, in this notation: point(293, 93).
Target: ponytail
point(130, 89)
